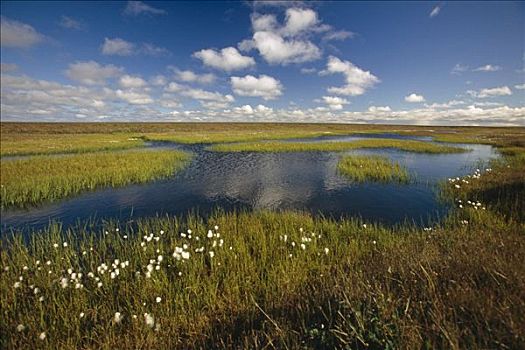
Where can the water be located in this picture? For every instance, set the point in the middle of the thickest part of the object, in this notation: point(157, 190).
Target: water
point(301, 181)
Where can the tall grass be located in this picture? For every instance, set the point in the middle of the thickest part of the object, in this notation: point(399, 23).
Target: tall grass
point(372, 168)
point(48, 178)
point(404, 145)
point(272, 280)
point(31, 144)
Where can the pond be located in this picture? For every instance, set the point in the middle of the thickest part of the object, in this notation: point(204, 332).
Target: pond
point(301, 181)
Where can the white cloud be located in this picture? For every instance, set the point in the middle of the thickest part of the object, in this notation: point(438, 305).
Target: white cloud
point(308, 70)
point(121, 47)
point(288, 43)
point(92, 73)
point(8, 67)
point(128, 81)
point(135, 8)
point(210, 100)
point(448, 104)
point(435, 11)
point(334, 102)
point(375, 109)
point(134, 97)
point(520, 87)
point(264, 86)
point(17, 34)
point(414, 98)
point(487, 68)
point(174, 87)
point(497, 91)
point(192, 77)
point(459, 68)
point(118, 47)
point(357, 80)
point(158, 80)
point(71, 23)
point(228, 59)
point(339, 35)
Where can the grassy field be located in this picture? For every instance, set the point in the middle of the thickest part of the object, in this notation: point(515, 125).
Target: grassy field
point(32, 144)
point(404, 145)
point(265, 279)
point(372, 168)
point(42, 138)
point(49, 178)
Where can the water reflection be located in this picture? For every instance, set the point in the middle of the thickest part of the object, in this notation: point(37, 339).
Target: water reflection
point(304, 181)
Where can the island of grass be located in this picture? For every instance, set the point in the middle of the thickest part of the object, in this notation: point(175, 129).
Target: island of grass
point(372, 168)
point(48, 178)
point(403, 145)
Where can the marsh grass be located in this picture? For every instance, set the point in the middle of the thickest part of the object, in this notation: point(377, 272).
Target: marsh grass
point(49, 178)
point(403, 145)
point(372, 168)
point(34, 144)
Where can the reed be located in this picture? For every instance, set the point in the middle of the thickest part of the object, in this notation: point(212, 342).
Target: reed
point(372, 168)
point(48, 178)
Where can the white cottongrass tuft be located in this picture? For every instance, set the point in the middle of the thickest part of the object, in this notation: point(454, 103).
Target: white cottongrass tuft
point(150, 321)
point(42, 336)
point(158, 299)
point(20, 328)
point(118, 317)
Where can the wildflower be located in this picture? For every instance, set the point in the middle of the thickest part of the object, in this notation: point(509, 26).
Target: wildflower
point(158, 299)
point(36, 291)
point(160, 258)
point(210, 234)
point(99, 285)
point(185, 255)
point(25, 268)
point(216, 227)
point(42, 336)
point(55, 245)
point(41, 299)
point(161, 232)
point(20, 328)
point(212, 254)
point(65, 244)
point(16, 285)
point(118, 317)
point(82, 314)
point(364, 225)
point(189, 231)
point(303, 247)
point(125, 237)
point(374, 242)
point(48, 262)
point(150, 321)
point(6, 268)
point(64, 282)
point(326, 250)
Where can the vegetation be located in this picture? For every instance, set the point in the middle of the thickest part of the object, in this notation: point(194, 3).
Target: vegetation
point(32, 144)
point(372, 168)
point(404, 145)
point(48, 178)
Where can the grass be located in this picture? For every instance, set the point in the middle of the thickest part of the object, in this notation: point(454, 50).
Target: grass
point(32, 144)
point(372, 168)
point(404, 145)
point(49, 178)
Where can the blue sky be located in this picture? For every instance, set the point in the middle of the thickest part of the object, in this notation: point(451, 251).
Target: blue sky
point(380, 62)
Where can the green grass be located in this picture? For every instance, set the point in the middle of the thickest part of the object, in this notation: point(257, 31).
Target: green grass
point(372, 168)
point(404, 145)
point(33, 144)
point(49, 178)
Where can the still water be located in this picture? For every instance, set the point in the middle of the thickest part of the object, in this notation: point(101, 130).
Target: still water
point(302, 181)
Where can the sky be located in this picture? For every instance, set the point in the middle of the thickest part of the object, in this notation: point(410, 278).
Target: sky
point(422, 63)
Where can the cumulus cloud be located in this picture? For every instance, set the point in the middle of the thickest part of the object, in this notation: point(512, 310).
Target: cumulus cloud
point(189, 76)
point(492, 92)
point(135, 8)
point(308, 70)
point(357, 80)
point(121, 47)
point(134, 97)
point(228, 59)
point(435, 11)
point(128, 82)
point(264, 86)
point(17, 34)
point(92, 73)
point(375, 109)
point(208, 99)
point(71, 23)
point(335, 103)
point(287, 43)
point(118, 47)
point(414, 98)
point(520, 87)
point(487, 68)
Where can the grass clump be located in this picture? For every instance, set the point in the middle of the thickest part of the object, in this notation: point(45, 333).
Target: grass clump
point(372, 168)
point(33, 144)
point(48, 178)
point(404, 145)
